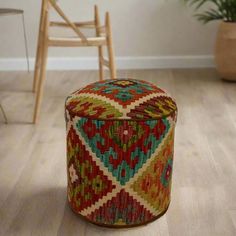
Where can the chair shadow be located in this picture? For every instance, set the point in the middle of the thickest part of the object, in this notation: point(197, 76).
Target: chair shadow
point(16, 123)
point(16, 91)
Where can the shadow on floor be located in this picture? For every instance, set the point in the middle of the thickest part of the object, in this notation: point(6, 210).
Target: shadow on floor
point(44, 212)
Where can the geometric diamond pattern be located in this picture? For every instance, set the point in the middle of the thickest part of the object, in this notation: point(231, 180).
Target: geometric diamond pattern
point(93, 106)
point(156, 107)
point(122, 209)
point(155, 183)
point(123, 91)
point(121, 99)
point(87, 184)
point(123, 146)
point(120, 141)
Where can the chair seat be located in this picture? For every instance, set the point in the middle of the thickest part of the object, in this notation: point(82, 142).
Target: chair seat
point(8, 11)
point(75, 42)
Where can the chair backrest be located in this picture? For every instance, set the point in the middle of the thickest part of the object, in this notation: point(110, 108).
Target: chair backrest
point(52, 3)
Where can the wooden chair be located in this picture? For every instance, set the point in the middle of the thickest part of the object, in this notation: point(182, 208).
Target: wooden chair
point(102, 37)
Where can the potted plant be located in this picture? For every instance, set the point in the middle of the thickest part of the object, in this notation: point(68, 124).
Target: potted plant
point(225, 49)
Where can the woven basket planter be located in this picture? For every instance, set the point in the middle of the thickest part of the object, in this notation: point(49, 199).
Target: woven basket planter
point(225, 51)
point(120, 140)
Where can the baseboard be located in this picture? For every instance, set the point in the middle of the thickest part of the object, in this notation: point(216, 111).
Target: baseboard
point(90, 63)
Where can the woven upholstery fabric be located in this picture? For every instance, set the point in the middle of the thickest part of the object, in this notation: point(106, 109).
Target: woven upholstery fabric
point(120, 140)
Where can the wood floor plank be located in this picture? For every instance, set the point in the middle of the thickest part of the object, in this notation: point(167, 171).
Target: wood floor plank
point(33, 158)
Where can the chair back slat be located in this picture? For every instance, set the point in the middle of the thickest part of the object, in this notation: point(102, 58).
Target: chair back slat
point(66, 19)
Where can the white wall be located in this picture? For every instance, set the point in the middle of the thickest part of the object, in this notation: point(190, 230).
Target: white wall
point(148, 29)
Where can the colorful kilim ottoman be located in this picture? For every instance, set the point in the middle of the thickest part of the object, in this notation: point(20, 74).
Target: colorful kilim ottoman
point(120, 140)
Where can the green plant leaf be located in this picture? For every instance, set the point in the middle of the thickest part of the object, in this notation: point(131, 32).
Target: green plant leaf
point(218, 10)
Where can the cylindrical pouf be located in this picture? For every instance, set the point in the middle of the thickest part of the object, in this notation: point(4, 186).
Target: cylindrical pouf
point(120, 140)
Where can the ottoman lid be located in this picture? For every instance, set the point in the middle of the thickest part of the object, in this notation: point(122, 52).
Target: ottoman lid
point(121, 99)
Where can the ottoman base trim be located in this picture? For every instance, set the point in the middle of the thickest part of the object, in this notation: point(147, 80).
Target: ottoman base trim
point(117, 226)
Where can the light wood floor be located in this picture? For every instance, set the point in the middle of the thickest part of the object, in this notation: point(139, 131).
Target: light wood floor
point(33, 158)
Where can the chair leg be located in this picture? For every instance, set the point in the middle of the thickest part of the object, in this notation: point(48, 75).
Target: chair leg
point(100, 49)
point(41, 81)
point(26, 42)
point(37, 66)
point(110, 49)
point(4, 114)
point(38, 58)
point(100, 56)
